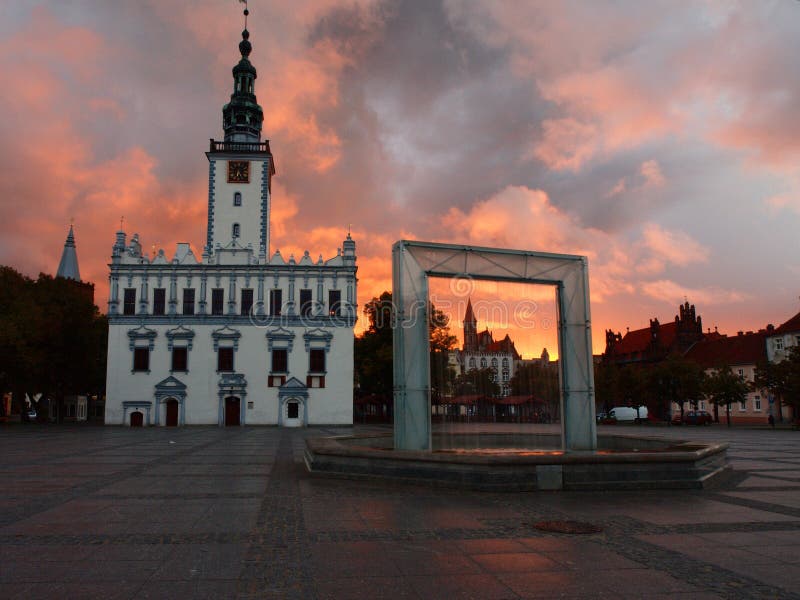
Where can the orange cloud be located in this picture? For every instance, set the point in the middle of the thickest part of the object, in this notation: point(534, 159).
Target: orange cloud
point(566, 144)
point(672, 292)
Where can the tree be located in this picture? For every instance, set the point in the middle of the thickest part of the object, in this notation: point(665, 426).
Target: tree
point(477, 381)
point(723, 388)
point(675, 379)
point(442, 342)
point(374, 351)
point(540, 381)
point(606, 385)
point(782, 379)
point(53, 339)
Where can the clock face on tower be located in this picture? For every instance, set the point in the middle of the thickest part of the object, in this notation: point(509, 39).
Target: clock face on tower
point(238, 171)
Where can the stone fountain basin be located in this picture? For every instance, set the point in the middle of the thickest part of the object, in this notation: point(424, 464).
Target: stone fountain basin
point(522, 461)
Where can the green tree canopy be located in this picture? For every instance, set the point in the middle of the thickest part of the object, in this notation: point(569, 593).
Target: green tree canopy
point(723, 388)
point(782, 379)
point(53, 339)
point(477, 381)
point(374, 350)
point(675, 379)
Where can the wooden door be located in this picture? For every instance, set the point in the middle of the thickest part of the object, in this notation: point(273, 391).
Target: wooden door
point(232, 411)
point(137, 419)
point(172, 413)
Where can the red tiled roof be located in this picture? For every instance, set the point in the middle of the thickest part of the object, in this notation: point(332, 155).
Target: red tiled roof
point(790, 326)
point(504, 345)
point(746, 349)
point(485, 337)
point(638, 340)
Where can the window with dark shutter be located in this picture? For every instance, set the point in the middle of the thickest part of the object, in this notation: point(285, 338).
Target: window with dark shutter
point(247, 301)
point(334, 302)
point(179, 359)
point(217, 301)
point(159, 301)
point(305, 303)
point(275, 302)
point(316, 360)
point(129, 302)
point(280, 362)
point(141, 359)
point(188, 301)
point(225, 359)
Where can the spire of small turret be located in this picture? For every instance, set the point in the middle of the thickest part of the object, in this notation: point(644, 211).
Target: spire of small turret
point(242, 116)
point(68, 267)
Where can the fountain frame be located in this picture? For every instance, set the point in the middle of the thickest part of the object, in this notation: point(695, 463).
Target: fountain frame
point(414, 262)
point(624, 462)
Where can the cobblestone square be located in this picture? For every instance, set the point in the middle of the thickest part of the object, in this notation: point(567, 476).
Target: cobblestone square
point(93, 512)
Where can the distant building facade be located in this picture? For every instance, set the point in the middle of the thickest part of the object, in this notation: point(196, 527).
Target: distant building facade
point(236, 336)
point(481, 351)
point(741, 354)
point(656, 342)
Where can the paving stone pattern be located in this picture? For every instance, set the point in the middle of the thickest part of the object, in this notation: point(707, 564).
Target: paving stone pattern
point(93, 512)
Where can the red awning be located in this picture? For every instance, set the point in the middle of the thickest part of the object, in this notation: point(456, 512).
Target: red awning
point(469, 399)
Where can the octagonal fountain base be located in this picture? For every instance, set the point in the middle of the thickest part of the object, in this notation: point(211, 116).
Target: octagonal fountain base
point(521, 461)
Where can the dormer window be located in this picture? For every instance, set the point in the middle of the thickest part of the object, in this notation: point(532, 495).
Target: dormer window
point(237, 199)
point(236, 231)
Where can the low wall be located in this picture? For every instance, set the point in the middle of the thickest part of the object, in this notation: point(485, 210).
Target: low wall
point(515, 462)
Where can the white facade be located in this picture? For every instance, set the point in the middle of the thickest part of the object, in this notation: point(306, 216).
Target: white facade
point(235, 336)
point(779, 344)
point(502, 363)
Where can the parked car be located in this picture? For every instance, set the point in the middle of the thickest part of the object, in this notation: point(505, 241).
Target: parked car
point(32, 415)
point(627, 413)
point(693, 417)
point(601, 416)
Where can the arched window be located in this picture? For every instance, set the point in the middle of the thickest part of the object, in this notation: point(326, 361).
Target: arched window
point(237, 199)
point(472, 363)
point(505, 363)
point(483, 363)
point(494, 363)
point(236, 230)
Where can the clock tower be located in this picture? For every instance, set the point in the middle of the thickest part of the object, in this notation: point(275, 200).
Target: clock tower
point(240, 169)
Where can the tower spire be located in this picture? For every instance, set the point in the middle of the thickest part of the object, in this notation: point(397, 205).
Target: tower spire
point(68, 267)
point(242, 116)
point(470, 328)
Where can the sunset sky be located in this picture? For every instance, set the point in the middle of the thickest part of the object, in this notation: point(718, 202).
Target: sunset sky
point(661, 139)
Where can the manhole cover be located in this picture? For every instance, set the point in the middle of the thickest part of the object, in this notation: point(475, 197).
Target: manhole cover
point(574, 527)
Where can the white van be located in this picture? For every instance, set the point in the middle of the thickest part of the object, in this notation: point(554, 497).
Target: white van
point(627, 414)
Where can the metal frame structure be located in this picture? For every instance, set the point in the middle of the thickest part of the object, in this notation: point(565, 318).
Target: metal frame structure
point(414, 262)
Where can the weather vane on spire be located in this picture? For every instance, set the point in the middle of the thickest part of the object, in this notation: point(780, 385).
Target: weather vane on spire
point(246, 12)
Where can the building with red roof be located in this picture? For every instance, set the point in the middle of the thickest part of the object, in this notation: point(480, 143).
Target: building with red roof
point(741, 354)
point(656, 342)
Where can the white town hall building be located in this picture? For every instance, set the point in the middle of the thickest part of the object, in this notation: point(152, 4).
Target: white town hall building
point(238, 335)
